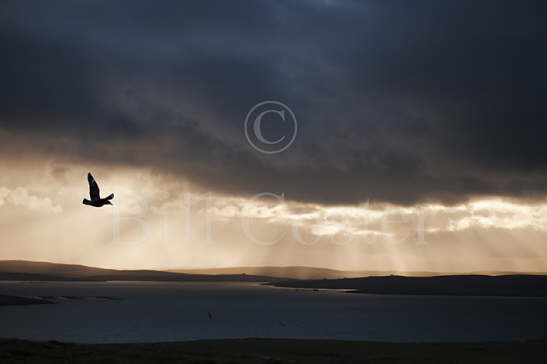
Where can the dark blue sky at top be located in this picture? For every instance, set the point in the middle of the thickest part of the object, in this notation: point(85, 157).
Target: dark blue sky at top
point(396, 101)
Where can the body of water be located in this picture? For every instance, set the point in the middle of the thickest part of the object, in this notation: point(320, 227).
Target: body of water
point(108, 312)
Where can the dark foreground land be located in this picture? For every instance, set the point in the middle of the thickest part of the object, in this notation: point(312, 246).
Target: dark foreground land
point(273, 351)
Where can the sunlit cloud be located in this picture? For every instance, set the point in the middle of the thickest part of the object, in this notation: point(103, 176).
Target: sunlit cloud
point(21, 197)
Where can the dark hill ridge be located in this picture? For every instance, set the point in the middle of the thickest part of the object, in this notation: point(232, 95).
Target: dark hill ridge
point(312, 273)
point(297, 272)
point(20, 270)
point(470, 285)
point(462, 285)
point(55, 271)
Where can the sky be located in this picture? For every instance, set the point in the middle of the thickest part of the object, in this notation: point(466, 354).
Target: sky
point(372, 134)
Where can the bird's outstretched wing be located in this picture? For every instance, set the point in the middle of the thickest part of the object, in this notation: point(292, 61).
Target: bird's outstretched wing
point(93, 188)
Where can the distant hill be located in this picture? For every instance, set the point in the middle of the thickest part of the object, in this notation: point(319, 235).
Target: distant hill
point(52, 269)
point(21, 270)
point(461, 285)
point(43, 271)
point(298, 272)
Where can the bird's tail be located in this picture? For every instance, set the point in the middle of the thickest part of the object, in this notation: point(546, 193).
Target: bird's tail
point(109, 197)
point(86, 201)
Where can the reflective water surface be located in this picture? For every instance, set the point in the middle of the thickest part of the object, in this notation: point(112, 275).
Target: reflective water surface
point(101, 312)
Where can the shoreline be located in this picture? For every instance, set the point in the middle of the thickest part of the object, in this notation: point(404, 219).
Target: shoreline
point(8, 300)
point(452, 285)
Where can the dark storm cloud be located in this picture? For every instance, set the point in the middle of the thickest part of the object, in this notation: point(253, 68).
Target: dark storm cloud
point(395, 101)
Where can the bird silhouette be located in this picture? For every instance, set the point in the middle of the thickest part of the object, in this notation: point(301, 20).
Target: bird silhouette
point(94, 194)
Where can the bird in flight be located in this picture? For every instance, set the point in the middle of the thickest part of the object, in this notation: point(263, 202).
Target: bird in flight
point(94, 194)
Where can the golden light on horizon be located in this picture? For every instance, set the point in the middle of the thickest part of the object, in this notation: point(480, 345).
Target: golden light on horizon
point(164, 222)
